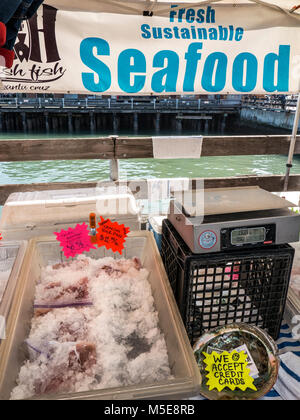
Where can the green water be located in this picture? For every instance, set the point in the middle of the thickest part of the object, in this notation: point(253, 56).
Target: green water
point(96, 170)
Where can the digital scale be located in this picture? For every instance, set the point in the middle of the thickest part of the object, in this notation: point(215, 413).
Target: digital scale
point(226, 219)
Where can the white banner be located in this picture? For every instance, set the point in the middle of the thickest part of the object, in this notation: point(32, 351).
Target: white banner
point(212, 49)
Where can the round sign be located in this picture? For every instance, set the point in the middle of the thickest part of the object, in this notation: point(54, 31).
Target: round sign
point(207, 239)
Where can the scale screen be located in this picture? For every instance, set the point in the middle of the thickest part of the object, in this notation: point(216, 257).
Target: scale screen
point(248, 236)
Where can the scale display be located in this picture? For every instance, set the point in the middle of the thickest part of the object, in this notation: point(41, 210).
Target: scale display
point(248, 236)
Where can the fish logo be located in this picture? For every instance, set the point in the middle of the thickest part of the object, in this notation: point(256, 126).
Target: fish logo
point(37, 58)
point(28, 44)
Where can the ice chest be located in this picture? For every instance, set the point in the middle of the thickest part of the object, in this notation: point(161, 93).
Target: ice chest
point(155, 226)
point(11, 258)
point(31, 214)
point(44, 251)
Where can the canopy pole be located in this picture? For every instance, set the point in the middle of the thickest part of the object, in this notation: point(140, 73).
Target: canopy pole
point(289, 164)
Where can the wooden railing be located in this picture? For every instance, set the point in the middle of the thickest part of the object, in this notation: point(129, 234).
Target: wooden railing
point(136, 147)
point(115, 148)
point(119, 105)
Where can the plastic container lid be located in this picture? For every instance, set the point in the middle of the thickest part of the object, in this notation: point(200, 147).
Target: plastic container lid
point(11, 258)
point(156, 223)
point(65, 206)
point(229, 200)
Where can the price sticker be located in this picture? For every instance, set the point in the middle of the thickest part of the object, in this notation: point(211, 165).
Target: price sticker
point(75, 241)
point(228, 370)
point(111, 235)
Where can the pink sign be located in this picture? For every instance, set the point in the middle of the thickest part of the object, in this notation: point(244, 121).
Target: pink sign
point(75, 241)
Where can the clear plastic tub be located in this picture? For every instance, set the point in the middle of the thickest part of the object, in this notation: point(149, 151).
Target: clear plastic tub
point(11, 258)
point(44, 251)
point(33, 214)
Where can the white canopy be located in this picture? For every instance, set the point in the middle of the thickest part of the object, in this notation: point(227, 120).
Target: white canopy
point(161, 7)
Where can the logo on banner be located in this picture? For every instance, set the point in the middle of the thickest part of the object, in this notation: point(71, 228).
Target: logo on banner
point(37, 58)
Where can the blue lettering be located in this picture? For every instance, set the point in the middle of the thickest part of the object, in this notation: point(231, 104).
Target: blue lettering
point(102, 71)
point(165, 80)
point(200, 16)
point(173, 13)
point(210, 15)
point(131, 61)
point(168, 33)
point(190, 15)
point(181, 13)
point(283, 61)
point(157, 33)
point(145, 29)
point(213, 34)
point(192, 57)
point(216, 63)
point(132, 66)
point(239, 32)
point(238, 72)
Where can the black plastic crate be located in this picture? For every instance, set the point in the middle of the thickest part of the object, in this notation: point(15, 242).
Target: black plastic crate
point(211, 290)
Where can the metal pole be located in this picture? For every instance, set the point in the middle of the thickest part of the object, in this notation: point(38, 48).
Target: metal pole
point(289, 164)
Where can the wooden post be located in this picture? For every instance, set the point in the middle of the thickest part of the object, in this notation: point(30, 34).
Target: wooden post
point(92, 123)
point(223, 125)
point(114, 163)
point(157, 123)
point(135, 122)
point(70, 125)
point(46, 115)
point(206, 127)
point(6, 122)
point(24, 122)
point(60, 121)
point(29, 124)
point(55, 124)
point(115, 123)
point(77, 123)
point(178, 124)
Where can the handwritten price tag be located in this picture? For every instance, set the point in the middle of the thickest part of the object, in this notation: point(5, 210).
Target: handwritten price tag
point(111, 235)
point(228, 370)
point(75, 241)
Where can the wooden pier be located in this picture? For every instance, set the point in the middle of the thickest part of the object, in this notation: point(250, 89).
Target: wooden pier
point(36, 115)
